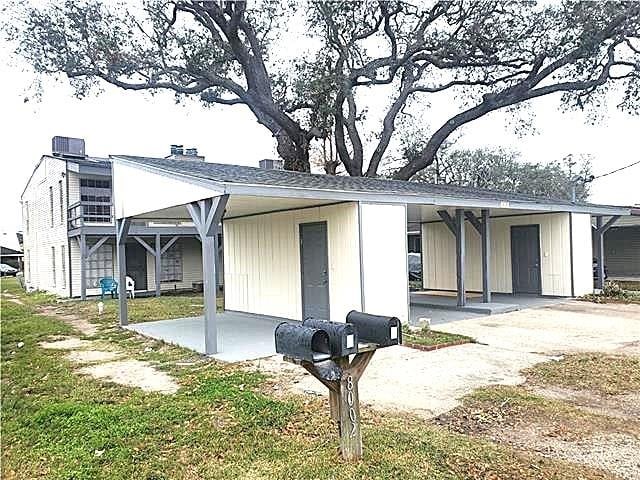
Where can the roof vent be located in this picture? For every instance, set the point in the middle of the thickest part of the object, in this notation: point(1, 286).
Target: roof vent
point(177, 150)
point(67, 147)
point(271, 164)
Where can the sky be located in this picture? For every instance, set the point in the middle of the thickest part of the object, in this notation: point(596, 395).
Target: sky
point(120, 122)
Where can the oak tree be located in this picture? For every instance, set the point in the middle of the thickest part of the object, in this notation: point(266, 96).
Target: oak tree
point(484, 55)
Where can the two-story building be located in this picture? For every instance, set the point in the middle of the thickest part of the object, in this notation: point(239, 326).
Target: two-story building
point(69, 230)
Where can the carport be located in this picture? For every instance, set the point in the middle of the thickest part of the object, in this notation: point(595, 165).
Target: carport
point(299, 245)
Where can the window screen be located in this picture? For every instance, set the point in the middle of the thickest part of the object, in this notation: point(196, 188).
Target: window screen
point(96, 192)
point(171, 264)
point(99, 265)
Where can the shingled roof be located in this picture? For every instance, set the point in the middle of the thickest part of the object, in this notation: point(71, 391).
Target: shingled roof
point(243, 175)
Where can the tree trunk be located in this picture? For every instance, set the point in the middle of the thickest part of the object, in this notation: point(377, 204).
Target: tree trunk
point(295, 155)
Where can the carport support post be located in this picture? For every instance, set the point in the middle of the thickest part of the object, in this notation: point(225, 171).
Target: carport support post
point(486, 252)
point(122, 231)
point(599, 253)
point(460, 256)
point(456, 226)
point(600, 231)
point(83, 266)
point(206, 215)
point(157, 257)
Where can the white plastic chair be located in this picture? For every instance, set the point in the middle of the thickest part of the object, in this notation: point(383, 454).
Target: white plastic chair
point(131, 287)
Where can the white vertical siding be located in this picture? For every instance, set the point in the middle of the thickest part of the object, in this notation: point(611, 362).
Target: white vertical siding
point(384, 259)
point(438, 247)
point(41, 236)
point(262, 261)
point(74, 187)
point(582, 253)
point(191, 264)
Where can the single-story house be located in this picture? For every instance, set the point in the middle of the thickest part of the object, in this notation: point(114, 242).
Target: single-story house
point(299, 245)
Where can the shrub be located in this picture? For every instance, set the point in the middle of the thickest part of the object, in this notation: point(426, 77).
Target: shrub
point(614, 290)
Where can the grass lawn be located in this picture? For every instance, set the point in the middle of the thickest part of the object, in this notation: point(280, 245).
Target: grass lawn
point(432, 338)
point(599, 372)
point(57, 424)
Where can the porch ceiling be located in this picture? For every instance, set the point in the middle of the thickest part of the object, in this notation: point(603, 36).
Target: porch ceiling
point(429, 213)
point(237, 206)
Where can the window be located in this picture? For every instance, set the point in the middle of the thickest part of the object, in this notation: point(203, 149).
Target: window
point(61, 192)
point(26, 216)
point(96, 196)
point(171, 264)
point(95, 183)
point(51, 204)
point(99, 265)
point(53, 265)
point(63, 266)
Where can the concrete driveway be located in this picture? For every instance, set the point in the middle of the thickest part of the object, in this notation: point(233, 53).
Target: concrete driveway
point(430, 383)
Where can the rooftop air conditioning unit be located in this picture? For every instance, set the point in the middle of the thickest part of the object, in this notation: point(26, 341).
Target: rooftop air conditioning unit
point(67, 147)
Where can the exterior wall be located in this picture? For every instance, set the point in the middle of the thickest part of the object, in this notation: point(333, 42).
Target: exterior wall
point(384, 259)
point(74, 188)
point(622, 251)
point(191, 266)
point(262, 261)
point(582, 253)
point(439, 257)
point(41, 236)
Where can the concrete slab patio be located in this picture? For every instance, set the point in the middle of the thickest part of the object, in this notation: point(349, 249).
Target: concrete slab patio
point(501, 303)
point(241, 336)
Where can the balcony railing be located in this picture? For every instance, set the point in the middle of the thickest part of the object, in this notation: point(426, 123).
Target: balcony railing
point(89, 213)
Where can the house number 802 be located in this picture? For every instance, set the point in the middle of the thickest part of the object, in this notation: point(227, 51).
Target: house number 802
point(352, 412)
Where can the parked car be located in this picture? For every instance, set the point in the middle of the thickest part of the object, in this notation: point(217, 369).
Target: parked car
point(415, 267)
point(7, 270)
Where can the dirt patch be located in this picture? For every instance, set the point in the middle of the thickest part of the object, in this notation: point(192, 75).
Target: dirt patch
point(70, 343)
point(566, 425)
point(133, 373)
point(408, 380)
point(616, 453)
point(624, 406)
point(80, 323)
point(91, 356)
point(12, 298)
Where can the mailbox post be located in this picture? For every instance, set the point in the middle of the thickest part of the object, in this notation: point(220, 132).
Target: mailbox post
point(339, 373)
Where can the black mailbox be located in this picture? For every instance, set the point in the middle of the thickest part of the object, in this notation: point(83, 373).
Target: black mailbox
point(383, 331)
point(343, 337)
point(302, 342)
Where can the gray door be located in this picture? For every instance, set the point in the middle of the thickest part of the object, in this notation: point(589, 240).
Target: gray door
point(136, 257)
point(314, 268)
point(525, 259)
